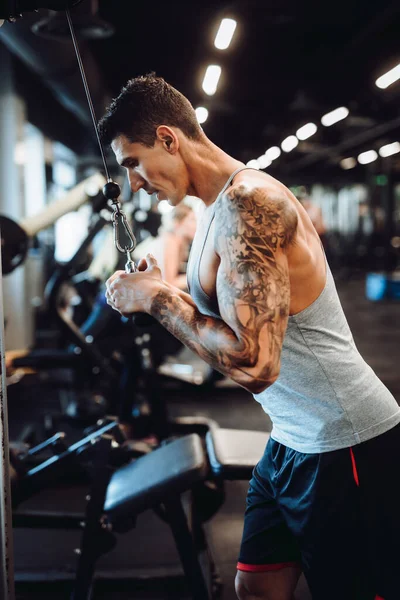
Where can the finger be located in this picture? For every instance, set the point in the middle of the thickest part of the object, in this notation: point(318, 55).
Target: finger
point(113, 277)
point(151, 261)
point(114, 285)
point(110, 300)
point(111, 303)
point(142, 265)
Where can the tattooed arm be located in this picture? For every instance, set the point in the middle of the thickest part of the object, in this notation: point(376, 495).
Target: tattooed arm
point(252, 233)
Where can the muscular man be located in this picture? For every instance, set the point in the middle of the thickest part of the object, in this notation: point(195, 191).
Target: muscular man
point(263, 310)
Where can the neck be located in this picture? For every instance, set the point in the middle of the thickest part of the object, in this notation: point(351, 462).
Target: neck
point(209, 168)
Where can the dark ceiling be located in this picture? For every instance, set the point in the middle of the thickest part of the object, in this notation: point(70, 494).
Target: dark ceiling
point(290, 62)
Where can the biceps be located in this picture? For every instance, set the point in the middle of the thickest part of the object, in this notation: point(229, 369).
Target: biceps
point(254, 300)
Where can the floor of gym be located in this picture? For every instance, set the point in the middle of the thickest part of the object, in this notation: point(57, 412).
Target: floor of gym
point(44, 559)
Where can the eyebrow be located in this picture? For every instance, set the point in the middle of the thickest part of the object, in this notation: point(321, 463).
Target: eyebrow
point(127, 161)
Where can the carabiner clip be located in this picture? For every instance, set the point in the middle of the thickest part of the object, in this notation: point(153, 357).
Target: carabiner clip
point(119, 220)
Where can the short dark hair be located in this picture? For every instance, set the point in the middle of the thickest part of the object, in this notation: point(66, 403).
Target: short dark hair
point(143, 104)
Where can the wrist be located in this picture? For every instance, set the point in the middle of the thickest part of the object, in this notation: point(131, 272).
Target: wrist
point(156, 288)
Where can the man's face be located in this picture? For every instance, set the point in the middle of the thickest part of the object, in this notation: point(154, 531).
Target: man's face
point(154, 169)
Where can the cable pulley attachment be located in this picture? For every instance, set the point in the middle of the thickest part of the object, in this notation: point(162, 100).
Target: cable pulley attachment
point(122, 229)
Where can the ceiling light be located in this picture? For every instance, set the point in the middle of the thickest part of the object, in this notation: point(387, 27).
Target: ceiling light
point(334, 116)
point(389, 149)
point(367, 157)
point(388, 78)
point(289, 143)
point(306, 131)
point(253, 164)
point(273, 152)
point(225, 34)
point(263, 161)
point(211, 78)
point(201, 114)
point(348, 163)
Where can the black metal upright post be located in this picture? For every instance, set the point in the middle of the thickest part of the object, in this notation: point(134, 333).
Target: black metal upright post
point(96, 540)
point(195, 579)
point(6, 539)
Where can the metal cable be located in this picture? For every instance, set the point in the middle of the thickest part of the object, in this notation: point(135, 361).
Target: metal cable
point(118, 215)
point(87, 91)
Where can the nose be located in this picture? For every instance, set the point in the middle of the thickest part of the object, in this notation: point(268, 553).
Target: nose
point(135, 181)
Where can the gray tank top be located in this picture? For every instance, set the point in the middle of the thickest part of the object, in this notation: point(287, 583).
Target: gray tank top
point(326, 396)
point(205, 304)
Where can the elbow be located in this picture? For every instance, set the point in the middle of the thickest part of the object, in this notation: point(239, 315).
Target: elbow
point(255, 371)
point(256, 386)
point(257, 380)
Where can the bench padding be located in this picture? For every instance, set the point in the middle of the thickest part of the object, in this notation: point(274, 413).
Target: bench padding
point(233, 453)
point(153, 478)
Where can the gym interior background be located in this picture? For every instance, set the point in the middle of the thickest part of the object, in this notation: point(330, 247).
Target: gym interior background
point(308, 93)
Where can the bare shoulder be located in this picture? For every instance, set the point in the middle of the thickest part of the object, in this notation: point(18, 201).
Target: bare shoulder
point(261, 207)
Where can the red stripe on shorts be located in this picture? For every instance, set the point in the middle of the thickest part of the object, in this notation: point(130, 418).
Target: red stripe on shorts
point(355, 474)
point(265, 568)
point(379, 598)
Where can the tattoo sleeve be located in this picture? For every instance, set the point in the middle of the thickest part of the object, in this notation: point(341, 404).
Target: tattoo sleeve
point(252, 233)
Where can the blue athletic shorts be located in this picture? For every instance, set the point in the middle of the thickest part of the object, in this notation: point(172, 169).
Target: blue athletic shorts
point(336, 514)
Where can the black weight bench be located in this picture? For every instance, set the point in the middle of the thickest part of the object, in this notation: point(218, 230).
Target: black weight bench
point(159, 478)
point(233, 453)
point(154, 481)
point(149, 481)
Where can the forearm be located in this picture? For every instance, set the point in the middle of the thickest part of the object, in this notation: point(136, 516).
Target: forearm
point(212, 339)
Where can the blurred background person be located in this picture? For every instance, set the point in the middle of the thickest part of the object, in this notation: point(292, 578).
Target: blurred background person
point(315, 213)
point(171, 246)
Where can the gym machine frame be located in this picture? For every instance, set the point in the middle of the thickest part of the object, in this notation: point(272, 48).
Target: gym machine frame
point(6, 540)
point(111, 190)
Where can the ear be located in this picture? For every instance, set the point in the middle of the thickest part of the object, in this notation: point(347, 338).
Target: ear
point(167, 136)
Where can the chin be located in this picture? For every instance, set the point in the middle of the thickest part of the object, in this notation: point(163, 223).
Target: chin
point(174, 200)
point(179, 198)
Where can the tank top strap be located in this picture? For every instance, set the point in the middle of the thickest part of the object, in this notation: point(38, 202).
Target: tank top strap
point(193, 276)
point(227, 184)
point(212, 212)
